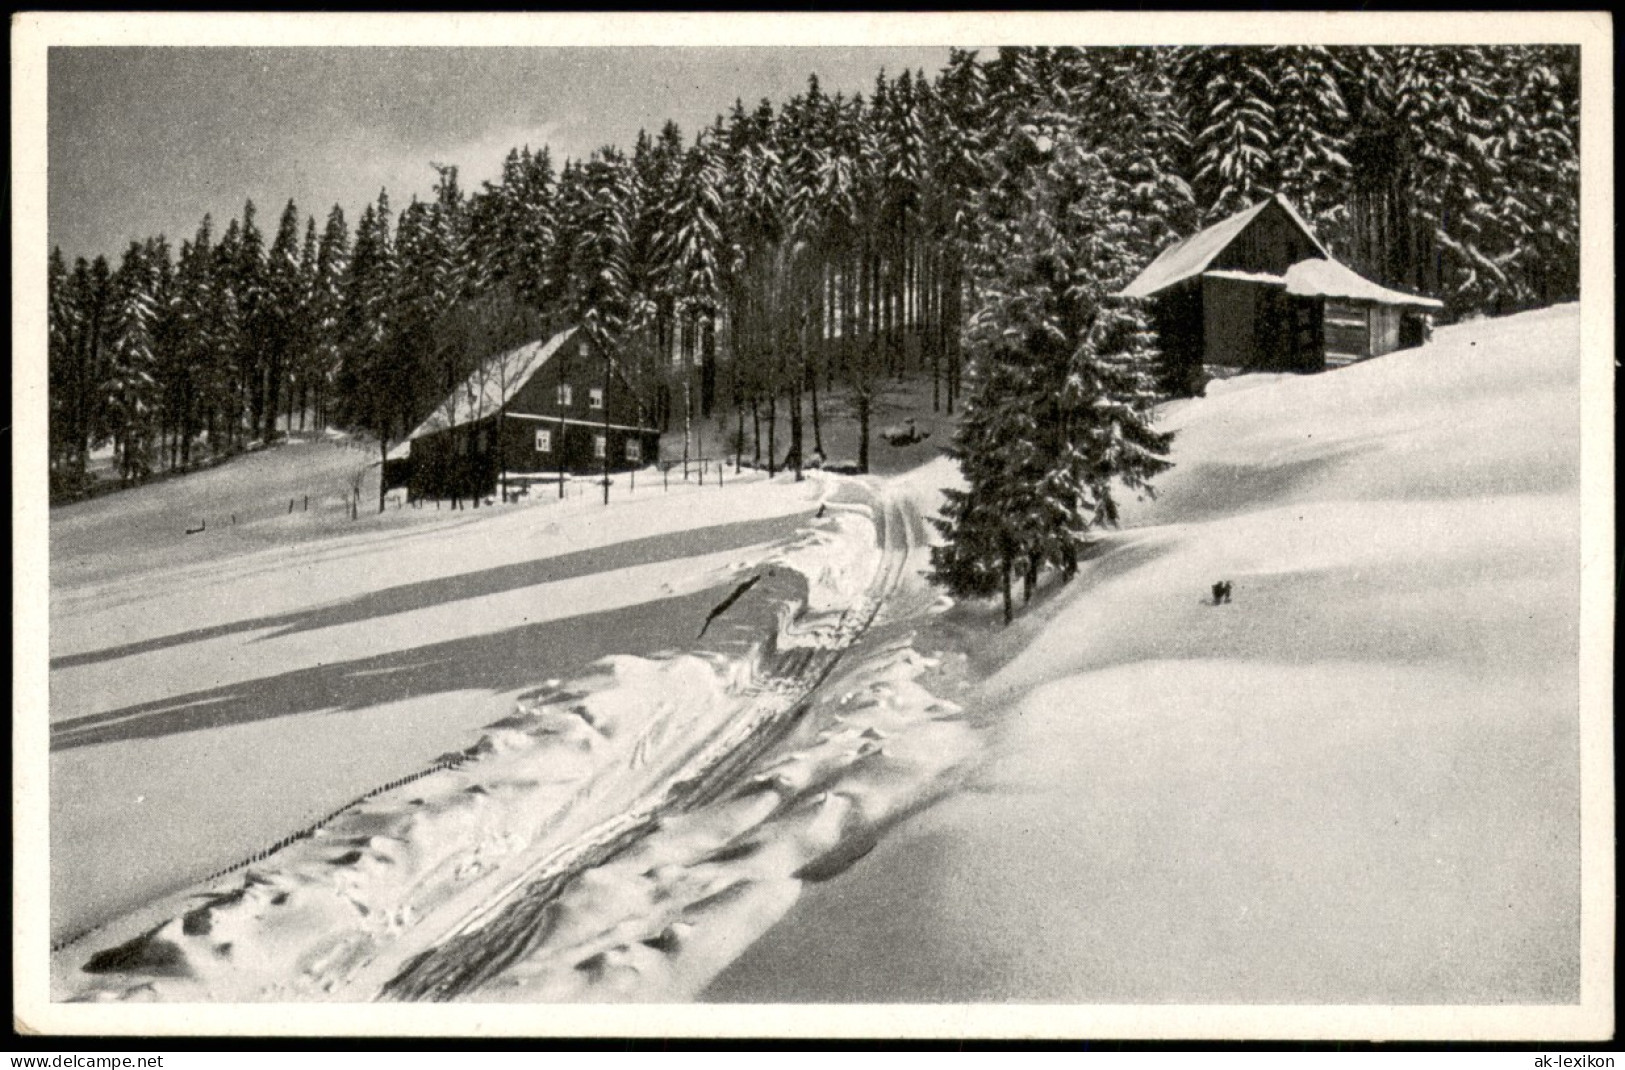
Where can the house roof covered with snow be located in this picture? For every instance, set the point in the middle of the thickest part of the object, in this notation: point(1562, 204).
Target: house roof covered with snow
point(1328, 278)
point(487, 389)
point(1191, 257)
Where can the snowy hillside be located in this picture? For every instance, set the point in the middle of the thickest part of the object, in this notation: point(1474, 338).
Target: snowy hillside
point(1357, 782)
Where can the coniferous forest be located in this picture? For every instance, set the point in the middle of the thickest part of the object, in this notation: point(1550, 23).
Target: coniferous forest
point(966, 227)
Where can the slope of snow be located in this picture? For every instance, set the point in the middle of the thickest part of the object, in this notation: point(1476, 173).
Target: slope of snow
point(340, 912)
point(1358, 782)
point(201, 712)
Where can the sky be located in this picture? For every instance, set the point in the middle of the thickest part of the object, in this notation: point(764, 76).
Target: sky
point(144, 141)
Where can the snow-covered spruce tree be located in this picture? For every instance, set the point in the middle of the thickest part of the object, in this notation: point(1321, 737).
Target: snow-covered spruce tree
point(1234, 119)
point(130, 388)
point(327, 310)
point(64, 375)
point(1443, 99)
point(1062, 393)
point(1537, 134)
point(249, 289)
point(602, 296)
point(691, 250)
point(1312, 136)
point(278, 334)
point(1128, 108)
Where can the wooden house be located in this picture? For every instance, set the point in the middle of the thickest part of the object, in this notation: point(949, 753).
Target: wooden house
point(532, 413)
point(1259, 292)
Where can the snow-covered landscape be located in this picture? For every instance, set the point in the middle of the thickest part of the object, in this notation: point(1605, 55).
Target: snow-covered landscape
point(1104, 529)
point(1389, 698)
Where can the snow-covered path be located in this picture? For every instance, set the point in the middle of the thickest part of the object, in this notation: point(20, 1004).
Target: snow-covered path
point(486, 879)
point(201, 713)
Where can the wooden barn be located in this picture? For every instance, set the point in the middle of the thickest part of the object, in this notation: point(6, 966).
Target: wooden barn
point(528, 415)
point(1259, 292)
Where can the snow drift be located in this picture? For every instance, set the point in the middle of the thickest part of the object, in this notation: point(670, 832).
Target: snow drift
point(1357, 782)
point(612, 790)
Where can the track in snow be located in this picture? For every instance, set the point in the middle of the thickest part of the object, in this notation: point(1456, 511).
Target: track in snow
point(510, 926)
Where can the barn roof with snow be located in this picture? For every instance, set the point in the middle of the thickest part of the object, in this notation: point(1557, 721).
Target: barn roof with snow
point(1314, 276)
point(1259, 291)
point(486, 391)
point(1191, 257)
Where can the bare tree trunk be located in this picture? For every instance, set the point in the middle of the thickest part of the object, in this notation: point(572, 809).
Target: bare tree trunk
point(772, 433)
point(608, 376)
point(818, 430)
point(1009, 607)
point(796, 383)
point(863, 429)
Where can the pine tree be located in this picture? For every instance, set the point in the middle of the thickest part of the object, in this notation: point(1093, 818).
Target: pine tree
point(66, 375)
point(691, 251)
point(204, 386)
point(1235, 120)
point(167, 370)
point(130, 390)
point(1537, 132)
point(254, 310)
point(375, 389)
point(327, 310)
point(1062, 397)
point(602, 298)
point(276, 334)
point(1312, 136)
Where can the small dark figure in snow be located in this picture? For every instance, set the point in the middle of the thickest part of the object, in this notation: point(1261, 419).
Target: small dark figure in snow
point(1221, 592)
point(817, 458)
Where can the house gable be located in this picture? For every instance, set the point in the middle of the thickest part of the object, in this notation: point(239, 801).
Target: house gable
point(1257, 239)
point(575, 365)
point(1273, 241)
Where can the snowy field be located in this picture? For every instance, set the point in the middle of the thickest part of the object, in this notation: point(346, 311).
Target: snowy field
point(669, 800)
point(202, 711)
point(1358, 782)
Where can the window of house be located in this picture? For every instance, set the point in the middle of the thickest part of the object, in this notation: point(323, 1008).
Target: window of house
point(595, 397)
point(599, 447)
point(544, 441)
point(565, 395)
point(634, 450)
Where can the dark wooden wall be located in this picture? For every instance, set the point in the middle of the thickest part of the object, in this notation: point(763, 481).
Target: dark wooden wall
point(1230, 310)
point(575, 443)
point(1176, 313)
point(1270, 244)
point(465, 461)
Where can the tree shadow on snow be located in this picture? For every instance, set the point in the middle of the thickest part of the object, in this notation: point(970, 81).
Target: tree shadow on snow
point(407, 597)
point(500, 661)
